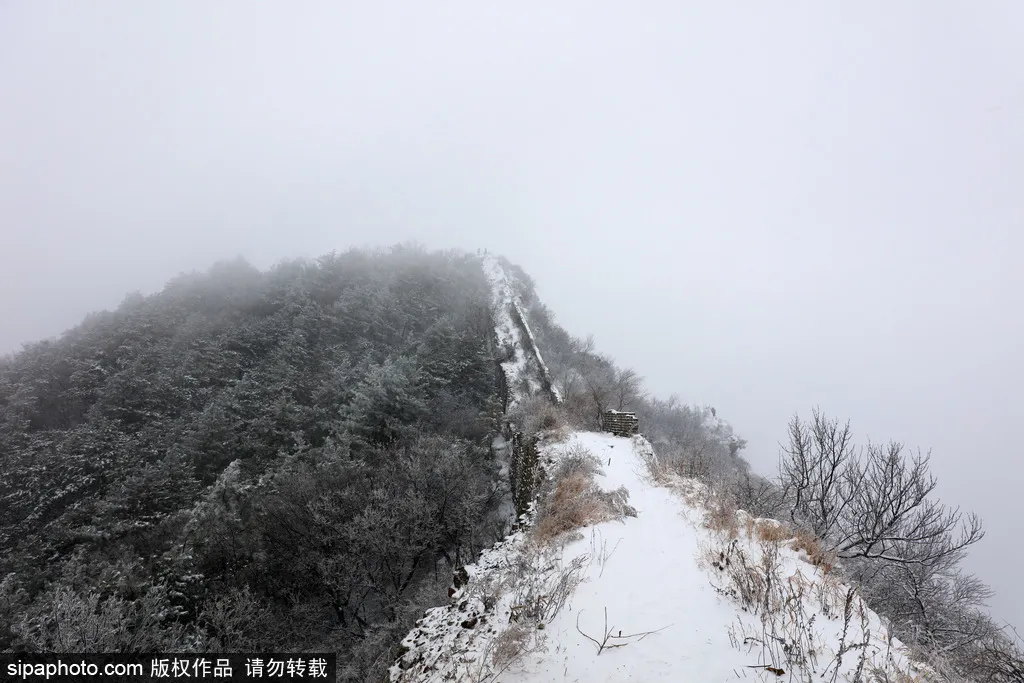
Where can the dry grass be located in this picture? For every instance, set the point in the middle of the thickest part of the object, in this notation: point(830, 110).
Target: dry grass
point(574, 499)
point(572, 505)
point(720, 515)
point(512, 644)
point(576, 502)
point(806, 542)
point(770, 530)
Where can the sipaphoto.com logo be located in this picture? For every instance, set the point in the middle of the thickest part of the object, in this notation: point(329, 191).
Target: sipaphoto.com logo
point(76, 669)
point(139, 667)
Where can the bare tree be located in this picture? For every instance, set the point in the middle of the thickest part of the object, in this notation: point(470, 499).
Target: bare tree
point(627, 389)
point(937, 607)
point(875, 507)
point(891, 517)
point(999, 660)
point(757, 495)
point(599, 375)
point(817, 472)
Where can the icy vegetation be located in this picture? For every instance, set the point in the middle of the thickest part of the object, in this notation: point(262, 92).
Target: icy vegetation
point(253, 461)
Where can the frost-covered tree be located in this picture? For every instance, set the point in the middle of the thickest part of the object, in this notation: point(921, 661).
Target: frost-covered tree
point(871, 505)
point(323, 381)
point(874, 509)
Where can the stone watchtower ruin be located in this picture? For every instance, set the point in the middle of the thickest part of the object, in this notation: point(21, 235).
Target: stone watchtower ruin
point(619, 423)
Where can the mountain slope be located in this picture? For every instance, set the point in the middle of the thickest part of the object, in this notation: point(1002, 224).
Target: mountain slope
point(252, 461)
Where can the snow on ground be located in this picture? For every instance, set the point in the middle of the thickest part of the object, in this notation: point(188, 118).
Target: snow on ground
point(650, 582)
point(536, 352)
point(516, 370)
point(509, 335)
point(663, 580)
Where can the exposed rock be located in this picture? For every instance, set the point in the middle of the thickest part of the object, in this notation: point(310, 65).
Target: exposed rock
point(461, 577)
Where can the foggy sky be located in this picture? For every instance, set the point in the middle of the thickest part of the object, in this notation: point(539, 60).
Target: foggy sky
point(806, 205)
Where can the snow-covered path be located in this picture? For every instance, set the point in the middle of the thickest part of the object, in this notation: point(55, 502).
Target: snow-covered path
point(651, 581)
point(661, 574)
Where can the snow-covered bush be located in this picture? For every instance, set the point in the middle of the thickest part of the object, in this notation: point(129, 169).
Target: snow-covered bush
point(572, 498)
point(536, 415)
point(808, 625)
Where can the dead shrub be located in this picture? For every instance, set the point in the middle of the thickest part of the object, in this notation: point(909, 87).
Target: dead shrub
point(805, 541)
point(576, 460)
point(617, 502)
point(573, 498)
point(488, 589)
point(741, 577)
point(558, 435)
point(537, 415)
point(573, 504)
point(720, 515)
point(770, 530)
point(658, 471)
point(512, 644)
point(541, 592)
point(654, 470)
point(757, 495)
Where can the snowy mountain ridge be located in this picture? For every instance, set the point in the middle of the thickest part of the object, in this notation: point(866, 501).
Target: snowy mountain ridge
point(670, 595)
point(671, 586)
point(515, 337)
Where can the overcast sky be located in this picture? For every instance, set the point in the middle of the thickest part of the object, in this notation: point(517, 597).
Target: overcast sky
point(806, 205)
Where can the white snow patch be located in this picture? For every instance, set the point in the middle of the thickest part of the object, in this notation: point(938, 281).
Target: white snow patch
point(507, 332)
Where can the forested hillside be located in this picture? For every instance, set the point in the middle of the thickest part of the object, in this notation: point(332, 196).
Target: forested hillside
point(246, 460)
